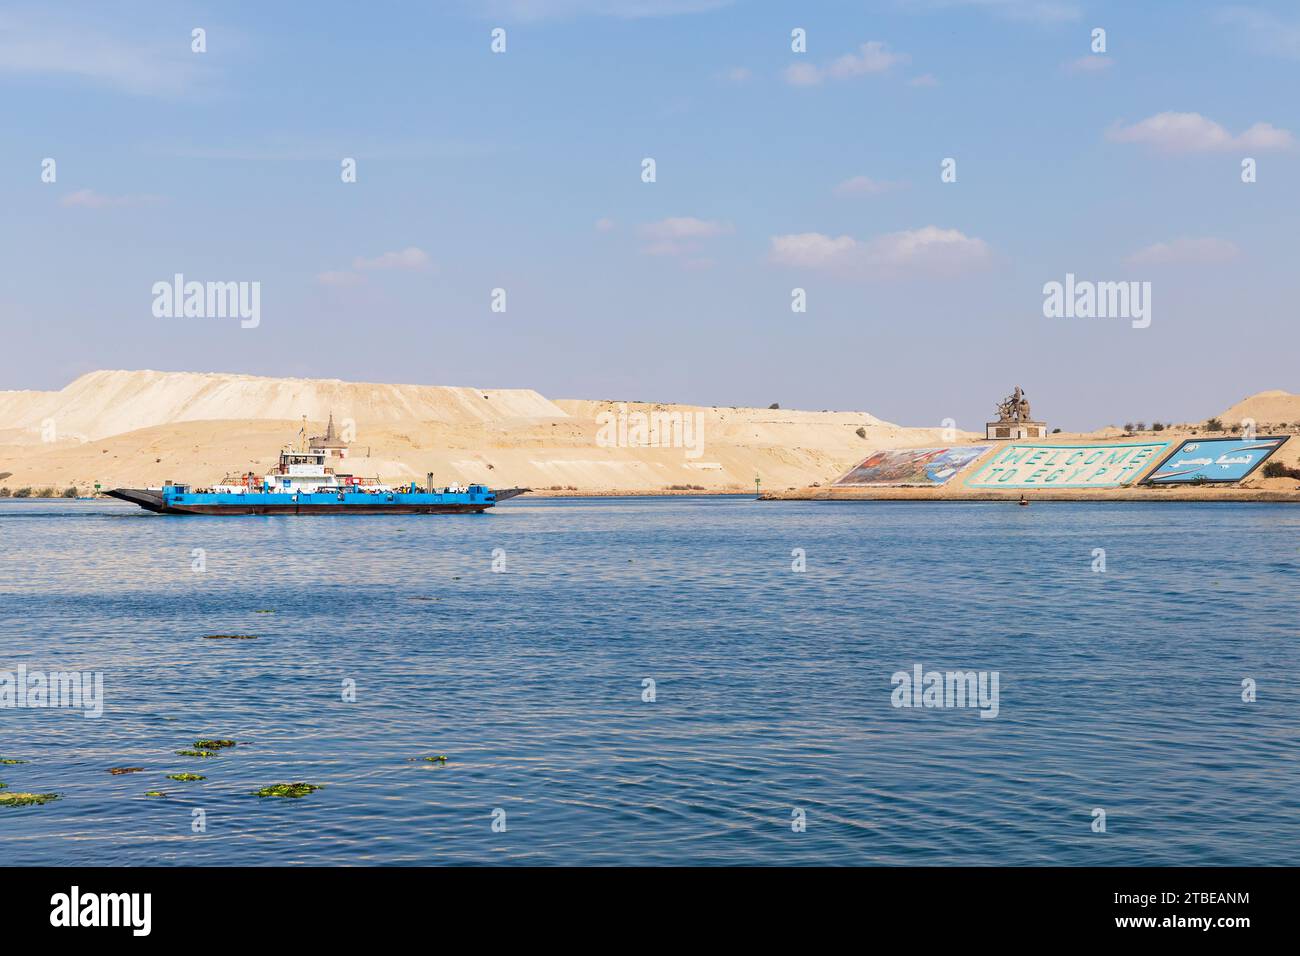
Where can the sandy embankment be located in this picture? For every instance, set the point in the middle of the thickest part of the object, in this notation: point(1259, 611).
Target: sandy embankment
point(133, 429)
point(143, 428)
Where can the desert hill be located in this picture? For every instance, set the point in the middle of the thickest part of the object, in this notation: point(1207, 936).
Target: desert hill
point(122, 428)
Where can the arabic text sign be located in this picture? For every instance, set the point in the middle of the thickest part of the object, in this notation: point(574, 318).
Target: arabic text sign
point(1214, 459)
point(1066, 466)
point(912, 466)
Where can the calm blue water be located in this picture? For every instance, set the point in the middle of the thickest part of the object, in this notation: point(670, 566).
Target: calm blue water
point(1118, 690)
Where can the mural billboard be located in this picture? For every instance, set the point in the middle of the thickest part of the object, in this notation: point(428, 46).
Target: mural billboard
point(911, 466)
point(1214, 459)
point(1066, 466)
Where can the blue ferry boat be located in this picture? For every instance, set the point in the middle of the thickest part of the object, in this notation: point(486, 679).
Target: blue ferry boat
point(303, 484)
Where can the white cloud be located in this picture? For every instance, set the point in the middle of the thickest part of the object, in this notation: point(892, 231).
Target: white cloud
point(605, 224)
point(89, 199)
point(738, 75)
point(925, 79)
point(50, 43)
point(626, 9)
point(873, 57)
point(1194, 133)
point(410, 258)
point(802, 74)
point(1093, 63)
point(1185, 252)
point(864, 186)
point(341, 279)
point(1265, 31)
point(1035, 11)
point(682, 235)
point(685, 227)
point(928, 251)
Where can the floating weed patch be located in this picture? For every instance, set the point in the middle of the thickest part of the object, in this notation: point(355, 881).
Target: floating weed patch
point(154, 793)
point(213, 744)
point(264, 611)
point(196, 753)
point(230, 637)
point(3, 785)
point(186, 777)
point(439, 759)
point(26, 799)
point(287, 790)
point(117, 770)
point(10, 760)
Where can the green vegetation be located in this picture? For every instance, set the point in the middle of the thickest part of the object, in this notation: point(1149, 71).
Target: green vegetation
point(230, 637)
point(1214, 425)
point(117, 770)
point(70, 492)
point(213, 744)
point(46, 492)
point(186, 777)
point(23, 493)
point(5, 492)
point(154, 793)
point(9, 761)
point(26, 799)
point(293, 790)
point(196, 753)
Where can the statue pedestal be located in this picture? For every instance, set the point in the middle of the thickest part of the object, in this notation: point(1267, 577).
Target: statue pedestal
point(1015, 430)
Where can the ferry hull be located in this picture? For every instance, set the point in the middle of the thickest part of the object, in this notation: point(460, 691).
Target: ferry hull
point(325, 504)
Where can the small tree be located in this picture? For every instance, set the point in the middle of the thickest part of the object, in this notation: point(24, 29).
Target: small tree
point(1128, 426)
point(1157, 427)
point(775, 405)
point(5, 492)
point(46, 493)
point(23, 493)
point(1214, 425)
point(70, 492)
point(1140, 427)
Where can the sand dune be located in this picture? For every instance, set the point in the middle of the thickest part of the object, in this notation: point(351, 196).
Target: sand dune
point(1266, 408)
point(105, 403)
point(142, 428)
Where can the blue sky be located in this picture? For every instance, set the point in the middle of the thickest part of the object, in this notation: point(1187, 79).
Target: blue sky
point(775, 170)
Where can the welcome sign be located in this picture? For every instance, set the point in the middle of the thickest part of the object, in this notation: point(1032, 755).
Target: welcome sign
point(1214, 459)
point(1066, 466)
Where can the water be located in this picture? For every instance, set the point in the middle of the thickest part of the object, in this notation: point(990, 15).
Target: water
point(1118, 690)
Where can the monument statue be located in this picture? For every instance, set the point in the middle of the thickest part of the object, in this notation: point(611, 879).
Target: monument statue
point(1015, 407)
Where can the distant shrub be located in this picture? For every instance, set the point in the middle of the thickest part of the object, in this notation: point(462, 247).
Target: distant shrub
point(46, 493)
point(1157, 427)
point(1056, 431)
point(70, 492)
point(23, 493)
point(5, 492)
point(1275, 469)
point(1140, 427)
point(1214, 425)
point(861, 432)
point(775, 405)
point(1128, 426)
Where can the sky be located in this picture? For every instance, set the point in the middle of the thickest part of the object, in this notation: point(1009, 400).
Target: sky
point(774, 170)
